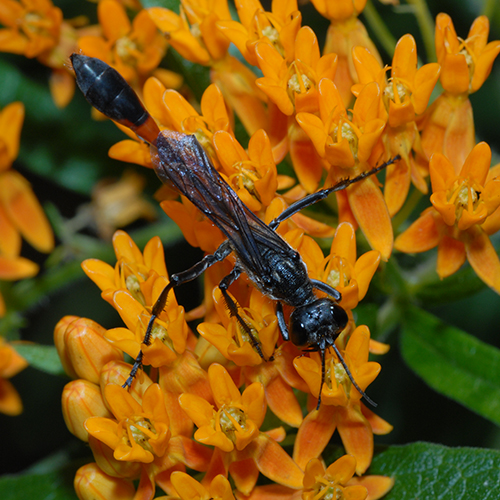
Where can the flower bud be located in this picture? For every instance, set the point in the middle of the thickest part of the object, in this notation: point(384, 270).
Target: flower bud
point(60, 344)
point(82, 399)
point(117, 372)
point(83, 348)
point(103, 455)
point(93, 484)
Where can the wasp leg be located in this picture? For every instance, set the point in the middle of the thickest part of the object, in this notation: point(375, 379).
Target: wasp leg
point(175, 280)
point(313, 198)
point(233, 308)
point(327, 289)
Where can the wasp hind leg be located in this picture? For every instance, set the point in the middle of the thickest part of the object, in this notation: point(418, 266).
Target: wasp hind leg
point(175, 280)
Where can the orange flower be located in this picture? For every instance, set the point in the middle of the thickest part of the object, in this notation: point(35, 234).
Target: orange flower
point(292, 85)
point(35, 28)
point(277, 28)
point(341, 407)
point(462, 204)
point(188, 488)
point(406, 96)
point(133, 287)
point(139, 432)
point(348, 144)
point(10, 364)
point(448, 125)
point(337, 478)
point(346, 31)
point(234, 429)
point(91, 482)
point(20, 212)
point(341, 269)
point(196, 36)
point(252, 175)
point(133, 49)
point(118, 203)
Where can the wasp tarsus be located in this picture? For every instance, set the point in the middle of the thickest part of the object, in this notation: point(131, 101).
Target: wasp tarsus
point(274, 267)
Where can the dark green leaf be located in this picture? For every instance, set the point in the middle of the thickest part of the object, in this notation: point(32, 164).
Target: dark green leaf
point(425, 471)
point(56, 485)
point(41, 357)
point(453, 362)
point(167, 4)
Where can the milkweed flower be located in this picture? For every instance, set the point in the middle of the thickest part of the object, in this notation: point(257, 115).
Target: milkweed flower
point(463, 215)
point(21, 215)
point(448, 125)
point(345, 33)
point(195, 34)
point(338, 479)
point(36, 28)
point(348, 142)
point(91, 483)
point(134, 49)
point(234, 430)
point(404, 97)
point(341, 407)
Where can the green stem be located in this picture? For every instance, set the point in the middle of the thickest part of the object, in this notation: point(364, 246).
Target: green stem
point(489, 8)
point(377, 25)
point(427, 27)
point(407, 209)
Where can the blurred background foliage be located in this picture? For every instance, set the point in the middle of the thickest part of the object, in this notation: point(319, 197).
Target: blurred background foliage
point(64, 154)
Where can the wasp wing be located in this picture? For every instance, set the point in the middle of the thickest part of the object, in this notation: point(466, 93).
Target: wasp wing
point(181, 161)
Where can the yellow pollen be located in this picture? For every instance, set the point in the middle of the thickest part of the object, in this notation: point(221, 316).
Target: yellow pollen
point(395, 92)
point(299, 84)
point(141, 432)
point(232, 420)
point(160, 332)
point(333, 278)
point(126, 50)
point(195, 30)
point(271, 33)
point(134, 287)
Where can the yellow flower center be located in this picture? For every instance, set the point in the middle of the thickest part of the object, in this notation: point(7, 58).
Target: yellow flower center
point(299, 84)
point(133, 285)
point(327, 490)
point(272, 34)
point(395, 91)
point(127, 50)
point(231, 420)
point(140, 431)
point(464, 197)
point(245, 177)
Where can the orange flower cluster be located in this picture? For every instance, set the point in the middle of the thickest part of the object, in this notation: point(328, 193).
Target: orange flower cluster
point(338, 113)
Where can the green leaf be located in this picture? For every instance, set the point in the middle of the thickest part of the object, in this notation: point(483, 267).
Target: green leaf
point(167, 4)
point(453, 362)
point(42, 357)
point(428, 471)
point(56, 485)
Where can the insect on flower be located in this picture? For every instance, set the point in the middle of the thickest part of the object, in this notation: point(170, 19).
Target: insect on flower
point(274, 267)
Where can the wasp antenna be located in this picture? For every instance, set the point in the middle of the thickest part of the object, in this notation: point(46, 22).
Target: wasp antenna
point(322, 377)
point(351, 378)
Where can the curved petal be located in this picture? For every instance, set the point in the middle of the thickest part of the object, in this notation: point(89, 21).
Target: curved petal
point(482, 257)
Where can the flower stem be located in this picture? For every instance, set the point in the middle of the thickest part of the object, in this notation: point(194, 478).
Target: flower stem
point(427, 27)
point(376, 23)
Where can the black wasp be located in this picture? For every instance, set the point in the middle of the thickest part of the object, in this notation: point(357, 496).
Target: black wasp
point(275, 268)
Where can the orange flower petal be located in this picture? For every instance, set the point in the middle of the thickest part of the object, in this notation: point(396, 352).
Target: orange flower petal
point(25, 211)
point(421, 236)
point(451, 256)
point(482, 257)
point(368, 206)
